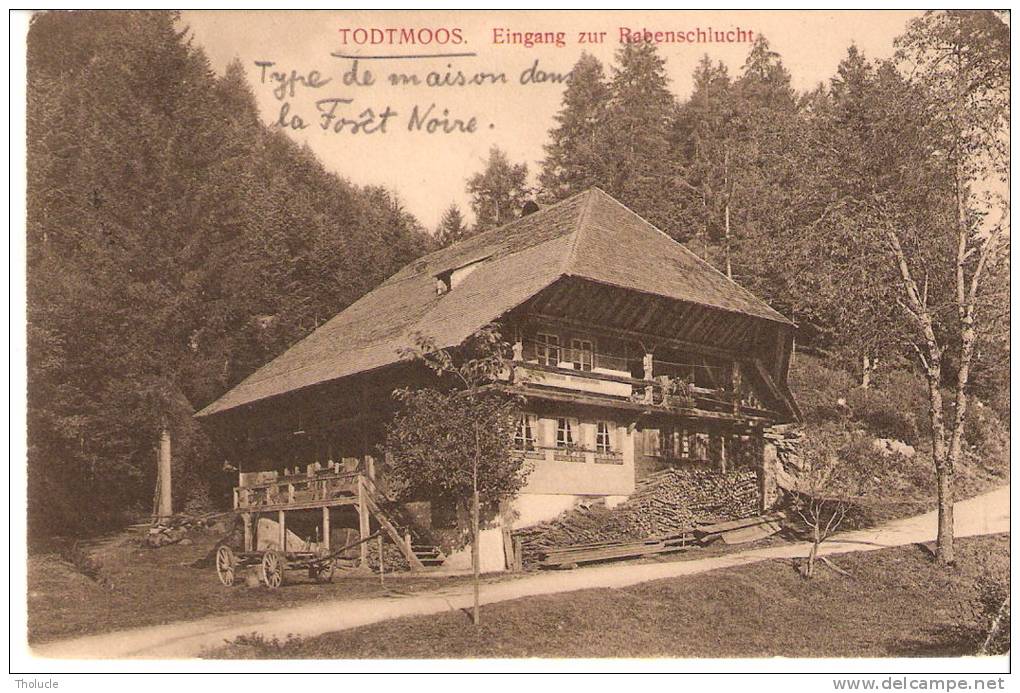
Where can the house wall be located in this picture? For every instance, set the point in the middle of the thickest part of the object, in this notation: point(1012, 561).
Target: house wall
point(559, 480)
point(582, 473)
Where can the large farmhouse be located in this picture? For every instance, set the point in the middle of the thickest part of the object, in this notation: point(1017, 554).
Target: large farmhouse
point(632, 353)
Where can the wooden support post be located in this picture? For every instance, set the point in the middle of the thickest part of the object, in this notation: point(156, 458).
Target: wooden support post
point(736, 387)
point(769, 463)
point(325, 528)
point(370, 467)
point(382, 564)
point(249, 539)
point(364, 529)
point(722, 452)
point(283, 531)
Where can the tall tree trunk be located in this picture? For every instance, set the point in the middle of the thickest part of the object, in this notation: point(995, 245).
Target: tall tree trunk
point(729, 261)
point(943, 464)
point(813, 555)
point(944, 554)
point(475, 554)
point(866, 372)
point(930, 353)
point(726, 212)
point(476, 551)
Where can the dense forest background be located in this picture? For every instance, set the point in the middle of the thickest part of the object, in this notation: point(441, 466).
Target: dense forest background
point(176, 243)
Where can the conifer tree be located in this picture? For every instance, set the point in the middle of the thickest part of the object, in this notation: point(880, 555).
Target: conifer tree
point(639, 168)
point(575, 154)
point(499, 191)
point(452, 227)
point(175, 244)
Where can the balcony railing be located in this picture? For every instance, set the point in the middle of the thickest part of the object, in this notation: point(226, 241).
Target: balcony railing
point(297, 490)
point(663, 391)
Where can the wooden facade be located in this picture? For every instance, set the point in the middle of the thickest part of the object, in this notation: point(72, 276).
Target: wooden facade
point(631, 354)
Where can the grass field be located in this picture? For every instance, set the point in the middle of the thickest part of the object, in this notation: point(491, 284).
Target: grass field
point(896, 603)
point(138, 586)
point(143, 587)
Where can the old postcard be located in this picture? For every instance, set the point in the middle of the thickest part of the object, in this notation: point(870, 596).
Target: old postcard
point(629, 337)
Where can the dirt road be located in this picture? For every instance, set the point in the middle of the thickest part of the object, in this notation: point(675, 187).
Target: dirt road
point(984, 514)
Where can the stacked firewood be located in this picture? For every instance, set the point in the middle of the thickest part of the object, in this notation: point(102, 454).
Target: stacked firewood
point(393, 558)
point(665, 503)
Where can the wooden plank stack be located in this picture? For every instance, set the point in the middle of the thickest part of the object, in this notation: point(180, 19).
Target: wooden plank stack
point(668, 503)
point(572, 556)
point(740, 531)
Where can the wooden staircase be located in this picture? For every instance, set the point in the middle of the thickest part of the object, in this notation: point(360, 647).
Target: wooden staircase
point(418, 556)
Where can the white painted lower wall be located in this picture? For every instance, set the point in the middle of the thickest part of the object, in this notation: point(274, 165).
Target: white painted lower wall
point(491, 556)
point(557, 484)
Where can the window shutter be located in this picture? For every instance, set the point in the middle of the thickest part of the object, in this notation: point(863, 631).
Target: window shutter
point(588, 436)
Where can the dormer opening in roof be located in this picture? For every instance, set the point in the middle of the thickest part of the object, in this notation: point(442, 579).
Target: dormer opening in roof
point(448, 279)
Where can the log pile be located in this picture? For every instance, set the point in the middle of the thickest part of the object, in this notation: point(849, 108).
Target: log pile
point(666, 503)
point(175, 528)
point(393, 557)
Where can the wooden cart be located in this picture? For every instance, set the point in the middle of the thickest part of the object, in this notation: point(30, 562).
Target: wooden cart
point(272, 563)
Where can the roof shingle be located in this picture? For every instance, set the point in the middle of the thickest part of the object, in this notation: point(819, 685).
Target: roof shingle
point(589, 235)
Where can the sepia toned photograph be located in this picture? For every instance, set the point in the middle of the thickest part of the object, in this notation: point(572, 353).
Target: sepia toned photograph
point(634, 338)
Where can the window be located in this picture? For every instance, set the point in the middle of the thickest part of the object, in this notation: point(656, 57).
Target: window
point(564, 433)
point(547, 349)
point(603, 438)
point(582, 354)
point(443, 284)
point(524, 438)
point(675, 443)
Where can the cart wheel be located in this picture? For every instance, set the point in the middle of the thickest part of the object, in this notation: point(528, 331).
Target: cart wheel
point(273, 563)
point(225, 563)
point(324, 573)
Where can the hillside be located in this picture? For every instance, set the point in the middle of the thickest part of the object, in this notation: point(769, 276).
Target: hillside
point(175, 243)
point(854, 422)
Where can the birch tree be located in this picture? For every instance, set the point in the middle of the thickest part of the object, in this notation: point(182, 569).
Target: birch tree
point(957, 65)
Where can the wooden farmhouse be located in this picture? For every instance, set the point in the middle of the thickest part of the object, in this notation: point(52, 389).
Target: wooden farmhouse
point(632, 353)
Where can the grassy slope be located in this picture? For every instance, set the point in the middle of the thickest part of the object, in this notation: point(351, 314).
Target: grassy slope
point(896, 604)
point(147, 587)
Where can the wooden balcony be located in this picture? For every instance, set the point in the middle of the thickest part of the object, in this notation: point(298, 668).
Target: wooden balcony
point(297, 492)
point(662, 392)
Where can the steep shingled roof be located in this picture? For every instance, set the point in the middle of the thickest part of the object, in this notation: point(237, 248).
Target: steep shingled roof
point(588, 235)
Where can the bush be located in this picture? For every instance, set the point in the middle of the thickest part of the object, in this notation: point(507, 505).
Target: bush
point(84, 562)
point(992, 596)
point(987, 436)
point(882, 416)
point(258, 646)
point(818, 388)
